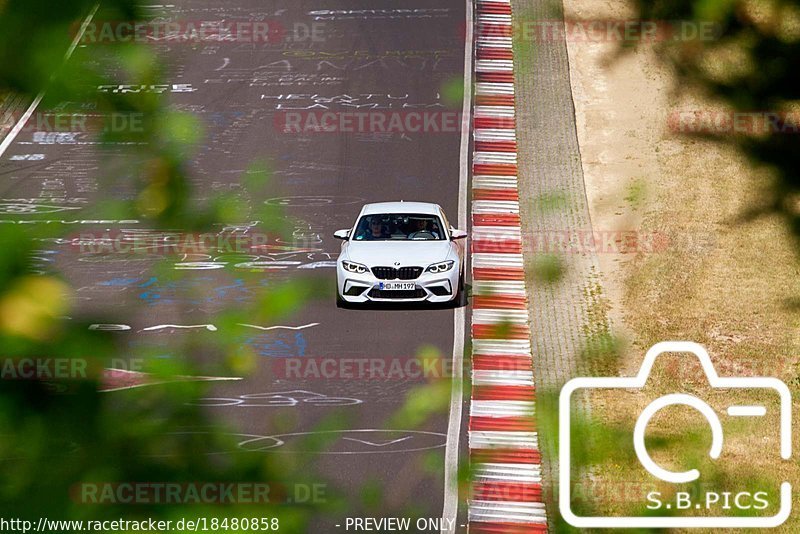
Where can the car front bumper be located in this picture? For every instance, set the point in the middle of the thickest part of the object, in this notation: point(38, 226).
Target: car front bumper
point(429, 287)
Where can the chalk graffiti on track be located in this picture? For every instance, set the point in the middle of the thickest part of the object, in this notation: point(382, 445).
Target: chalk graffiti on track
point(283, 399)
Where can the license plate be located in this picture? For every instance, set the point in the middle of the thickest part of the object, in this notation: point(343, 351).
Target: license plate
point(397, 286)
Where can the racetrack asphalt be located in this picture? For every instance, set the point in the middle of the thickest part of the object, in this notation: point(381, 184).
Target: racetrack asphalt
point(371, 56)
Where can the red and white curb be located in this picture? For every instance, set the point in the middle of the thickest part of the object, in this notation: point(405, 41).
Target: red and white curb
point(506, 492)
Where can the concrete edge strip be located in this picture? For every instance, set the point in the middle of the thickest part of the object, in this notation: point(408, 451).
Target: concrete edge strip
point(452, 448)
point(505, 490)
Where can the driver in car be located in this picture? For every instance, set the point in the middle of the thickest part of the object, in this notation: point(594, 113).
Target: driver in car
point(374, 231)
point(419, 230)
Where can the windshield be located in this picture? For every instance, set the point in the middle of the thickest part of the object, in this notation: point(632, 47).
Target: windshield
point(399, 226)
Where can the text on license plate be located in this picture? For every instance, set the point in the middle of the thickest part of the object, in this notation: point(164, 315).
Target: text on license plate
point(397, 286)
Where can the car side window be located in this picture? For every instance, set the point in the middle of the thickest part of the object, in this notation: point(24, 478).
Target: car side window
point(361, 229)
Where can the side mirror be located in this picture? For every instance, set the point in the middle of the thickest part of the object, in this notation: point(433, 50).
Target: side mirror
point(342, 234)
point(457, 234)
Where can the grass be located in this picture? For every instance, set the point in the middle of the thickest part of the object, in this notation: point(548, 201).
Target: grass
point(636, 193)
point(731, 293)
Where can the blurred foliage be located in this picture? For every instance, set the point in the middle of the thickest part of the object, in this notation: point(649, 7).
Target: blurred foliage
point(551, 202)
point(750, 64)
point(58, 434)
point(452, 92)
point(602, 353)
point(547, 268)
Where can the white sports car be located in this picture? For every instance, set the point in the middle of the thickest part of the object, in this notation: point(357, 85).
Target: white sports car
point(400, 252)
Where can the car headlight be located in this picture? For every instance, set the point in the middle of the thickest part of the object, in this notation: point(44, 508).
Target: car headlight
point(354, 267)
point(441, 267)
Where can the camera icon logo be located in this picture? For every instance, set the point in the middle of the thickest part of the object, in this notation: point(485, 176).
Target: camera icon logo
point(657, 471)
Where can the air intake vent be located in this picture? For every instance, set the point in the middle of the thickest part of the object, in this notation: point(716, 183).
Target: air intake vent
point(403, 273)
point(410, 294)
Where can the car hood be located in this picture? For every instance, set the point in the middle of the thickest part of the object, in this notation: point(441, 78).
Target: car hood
point(407, 253)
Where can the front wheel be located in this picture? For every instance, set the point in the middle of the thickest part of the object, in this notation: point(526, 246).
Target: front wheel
point(461, 295)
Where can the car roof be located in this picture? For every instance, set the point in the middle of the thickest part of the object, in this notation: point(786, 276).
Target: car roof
point(426, 208)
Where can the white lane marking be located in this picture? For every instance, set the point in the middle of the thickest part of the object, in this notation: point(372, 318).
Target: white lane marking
point(36, 101)
point(450, 507)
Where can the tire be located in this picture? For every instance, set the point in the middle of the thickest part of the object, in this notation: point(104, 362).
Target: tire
point(340, 302)
point(460, 299)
